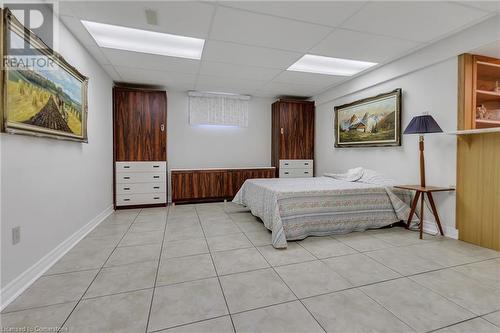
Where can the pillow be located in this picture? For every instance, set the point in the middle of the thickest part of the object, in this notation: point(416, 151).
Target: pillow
point(352, 175)
point(374, 177)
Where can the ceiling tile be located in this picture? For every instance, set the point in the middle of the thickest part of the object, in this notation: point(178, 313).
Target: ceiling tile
point(308, 78)
point(179, 81)
point(78, 30)
point(187, 18)
point(489, 6)
point(112, 72)
point(262, 30)
point(248, 55)
point(290, 89)
point(417, 21)
point(238, 71)
point(227, 85)
point(489, 50)
point(151, 61)
point(331, 13)
point(97, 53)
point(362, 46)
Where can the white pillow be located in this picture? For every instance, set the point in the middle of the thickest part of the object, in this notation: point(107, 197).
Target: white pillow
point(352, 175)
point(374, 177)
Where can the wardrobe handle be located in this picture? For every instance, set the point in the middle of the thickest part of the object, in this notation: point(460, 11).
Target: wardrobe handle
point(162, 127)
point(282, 131)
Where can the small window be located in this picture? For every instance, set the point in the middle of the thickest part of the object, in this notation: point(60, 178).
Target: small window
point(218, 109)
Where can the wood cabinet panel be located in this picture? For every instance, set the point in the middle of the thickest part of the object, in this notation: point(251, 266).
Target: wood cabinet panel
point(212, 185)
point(138, 119)
point(238, 177)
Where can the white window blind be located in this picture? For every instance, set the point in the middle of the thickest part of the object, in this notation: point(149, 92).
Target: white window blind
point(218, 109)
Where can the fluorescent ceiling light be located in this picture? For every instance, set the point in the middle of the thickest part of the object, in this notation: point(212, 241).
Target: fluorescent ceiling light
point(330, 66)
point(137, 40)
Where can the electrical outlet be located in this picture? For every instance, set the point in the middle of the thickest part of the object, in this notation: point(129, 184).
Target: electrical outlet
point(16, 235)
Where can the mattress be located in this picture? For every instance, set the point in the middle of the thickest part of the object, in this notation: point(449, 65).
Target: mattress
point(296, 208)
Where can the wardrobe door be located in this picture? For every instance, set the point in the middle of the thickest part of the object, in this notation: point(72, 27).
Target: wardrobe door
point(297, 130)
point(140, 125)
point(154, 132)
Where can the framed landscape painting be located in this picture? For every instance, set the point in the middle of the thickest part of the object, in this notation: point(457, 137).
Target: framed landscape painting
point(370, 122)
point(43, 95)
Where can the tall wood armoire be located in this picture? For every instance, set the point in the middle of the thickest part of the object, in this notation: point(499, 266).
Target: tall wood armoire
point(140, 147)
point(292, 150)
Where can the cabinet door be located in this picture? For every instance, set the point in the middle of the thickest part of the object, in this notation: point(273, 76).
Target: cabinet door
point(211, 184)
point(297, 130)
point(138, 119)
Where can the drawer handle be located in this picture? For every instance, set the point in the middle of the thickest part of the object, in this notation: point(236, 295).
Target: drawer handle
point(156, 166)
point(286, 163)
point(126, 188)
point(156, 198)
point(126, 166)
point(126, 199)
point(306, 171)
point(126, 177)
point(156, 177)
point(156, 187)
point(307, 163)
point(286, 173)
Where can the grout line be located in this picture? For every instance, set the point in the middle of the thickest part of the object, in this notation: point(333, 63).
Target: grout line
point(282, 280)
point(91, 282)
point(157, 270)
point(215, 268)
point(273, 267)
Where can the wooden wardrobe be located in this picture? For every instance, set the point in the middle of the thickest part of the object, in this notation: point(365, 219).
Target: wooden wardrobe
point(140, 147)
point(292, 150)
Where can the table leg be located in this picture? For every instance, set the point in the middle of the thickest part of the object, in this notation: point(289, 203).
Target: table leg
point(413, 208)
point(434, 211)
point(421, 215)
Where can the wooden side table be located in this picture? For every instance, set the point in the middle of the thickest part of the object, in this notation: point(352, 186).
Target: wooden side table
point(419, 193)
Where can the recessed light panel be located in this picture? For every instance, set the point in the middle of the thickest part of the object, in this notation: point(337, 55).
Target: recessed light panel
point(137, 40)
point(329, 66)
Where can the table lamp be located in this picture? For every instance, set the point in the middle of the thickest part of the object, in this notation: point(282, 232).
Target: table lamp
point(421, 125)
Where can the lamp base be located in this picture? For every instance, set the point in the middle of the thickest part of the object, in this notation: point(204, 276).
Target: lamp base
point(422, 160)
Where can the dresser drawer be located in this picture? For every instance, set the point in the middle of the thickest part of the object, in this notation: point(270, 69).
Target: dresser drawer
point(140, 199)
point(140, 177)
point(296, 164)
point(135, 188)
point(141, 166)
point(296, 173)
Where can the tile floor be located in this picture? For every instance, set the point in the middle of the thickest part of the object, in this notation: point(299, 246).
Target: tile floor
point(211, 268)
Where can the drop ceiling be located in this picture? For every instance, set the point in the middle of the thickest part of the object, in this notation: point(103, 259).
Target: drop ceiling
point(250, 44)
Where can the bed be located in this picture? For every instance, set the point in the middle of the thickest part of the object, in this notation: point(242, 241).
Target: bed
point(295, 208)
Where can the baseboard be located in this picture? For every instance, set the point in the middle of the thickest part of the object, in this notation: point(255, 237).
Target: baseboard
point(431, 228)
point(23, 281)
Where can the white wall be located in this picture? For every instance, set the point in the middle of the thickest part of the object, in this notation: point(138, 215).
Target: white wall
point(429, 82)
point(432, 89)
point(218, 146)
point(53, 188)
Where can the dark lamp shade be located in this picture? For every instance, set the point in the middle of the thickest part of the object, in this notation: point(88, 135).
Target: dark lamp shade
point(422, 124)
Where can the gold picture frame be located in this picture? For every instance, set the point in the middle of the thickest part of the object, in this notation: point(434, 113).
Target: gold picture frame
point(369, 122)
point(35, 102)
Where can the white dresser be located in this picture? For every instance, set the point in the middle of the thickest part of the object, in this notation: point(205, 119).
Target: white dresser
point(296, 168)
point(140, 183)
